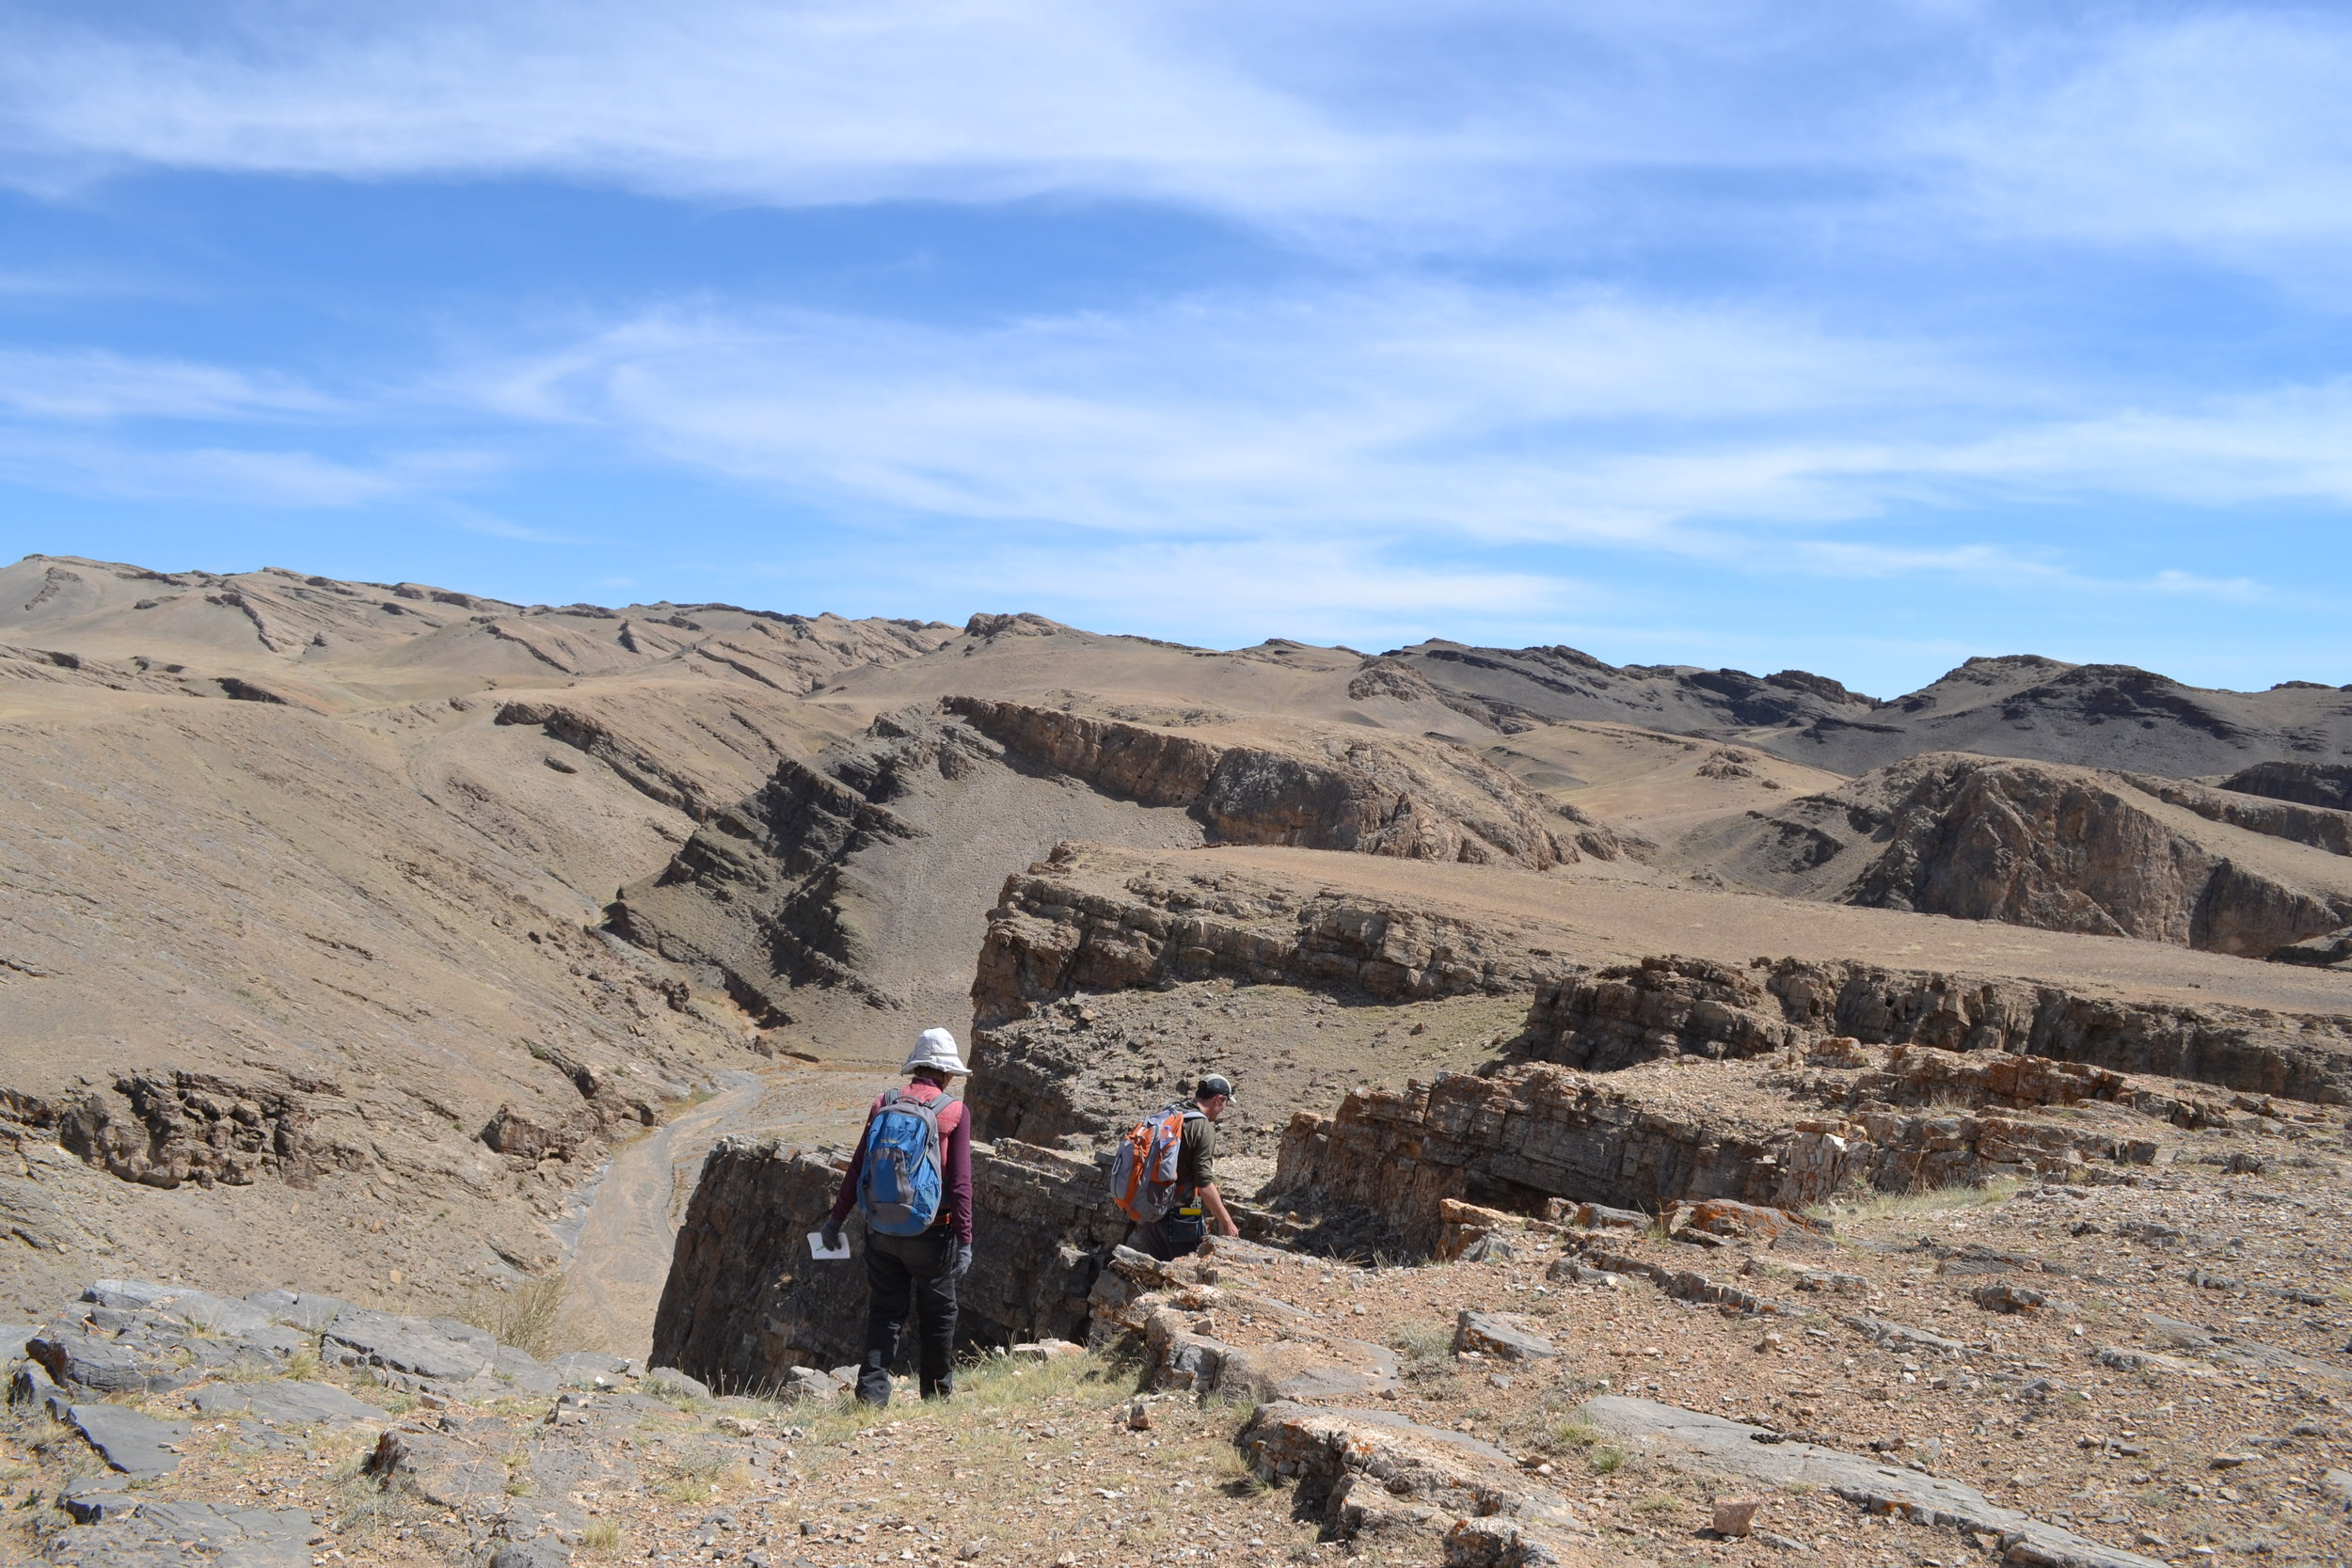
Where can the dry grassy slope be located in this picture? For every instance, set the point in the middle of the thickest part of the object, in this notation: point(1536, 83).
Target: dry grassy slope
point(346, 645)
point(264, 897)
point(2036, 843)
point(1661, 785)
point(275, 963)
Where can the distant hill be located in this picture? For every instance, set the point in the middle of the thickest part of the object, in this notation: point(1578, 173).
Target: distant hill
point(2019, 706)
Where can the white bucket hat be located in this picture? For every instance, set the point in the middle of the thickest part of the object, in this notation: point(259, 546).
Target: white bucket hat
point(935, 1049)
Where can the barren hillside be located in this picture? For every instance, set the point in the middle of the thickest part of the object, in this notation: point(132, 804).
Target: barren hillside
point(351, 926)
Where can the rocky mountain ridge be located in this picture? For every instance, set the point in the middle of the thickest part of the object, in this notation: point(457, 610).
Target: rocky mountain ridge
point(2063, 848)
point(2019, 706)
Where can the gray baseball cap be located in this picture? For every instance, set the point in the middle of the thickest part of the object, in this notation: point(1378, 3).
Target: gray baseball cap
point(1214, 1084)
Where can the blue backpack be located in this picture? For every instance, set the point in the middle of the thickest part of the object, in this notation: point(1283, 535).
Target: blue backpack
point(899, 1183)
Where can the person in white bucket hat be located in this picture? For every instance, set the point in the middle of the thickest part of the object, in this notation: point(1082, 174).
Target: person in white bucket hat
point(910, 1177)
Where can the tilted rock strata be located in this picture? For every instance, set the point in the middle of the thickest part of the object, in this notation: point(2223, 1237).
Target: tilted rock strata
point(2326, 784)
point(2056, 847)
point(1669, 1006)
point(1074, 924)
point(1369, 792)
point(2321, 827)
point(1714, 1445)
point(1533, 1132)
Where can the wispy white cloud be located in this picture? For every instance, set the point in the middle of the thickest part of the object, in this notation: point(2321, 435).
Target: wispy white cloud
point(93, 385)
point(1488, 417)
point(813, 102)
point(1494, 416)
point(2214, 129)
point(278, 477)
point(1455, 127)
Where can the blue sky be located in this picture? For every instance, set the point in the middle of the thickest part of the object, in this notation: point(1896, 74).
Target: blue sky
point(1854, 338)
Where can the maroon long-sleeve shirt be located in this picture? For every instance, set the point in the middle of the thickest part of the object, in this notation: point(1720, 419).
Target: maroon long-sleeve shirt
point(955, 1160)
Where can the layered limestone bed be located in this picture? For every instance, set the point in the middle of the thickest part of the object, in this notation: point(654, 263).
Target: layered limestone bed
point(1787, 1132)
point(1670, 1005)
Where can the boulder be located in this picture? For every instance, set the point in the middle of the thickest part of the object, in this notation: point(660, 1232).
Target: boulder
point(1504, 1337)
point(137, 1364)
point(807, 1382)
point(669, 1380)
point(1372, 1474)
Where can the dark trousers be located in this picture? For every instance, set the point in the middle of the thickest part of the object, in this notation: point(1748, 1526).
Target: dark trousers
point(903, 1271)
point(1173, 1236)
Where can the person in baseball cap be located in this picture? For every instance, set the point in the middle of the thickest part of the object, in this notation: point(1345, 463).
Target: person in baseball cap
point(1200, 1207)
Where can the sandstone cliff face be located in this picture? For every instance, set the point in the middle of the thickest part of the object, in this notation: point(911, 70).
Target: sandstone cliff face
point(1669, 1007)
point(1310, 787)
point(1389, 1159)
point(2326, 785)
point(2061, 849)
point(744, 1302)
point(1090, 919)
point(1663, 1006)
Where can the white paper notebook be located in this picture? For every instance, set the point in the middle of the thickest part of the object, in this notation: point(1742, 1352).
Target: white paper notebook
point(817, 1246)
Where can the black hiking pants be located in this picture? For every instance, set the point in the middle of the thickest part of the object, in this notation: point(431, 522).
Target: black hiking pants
point(1173, 1236)
point(903, 1271)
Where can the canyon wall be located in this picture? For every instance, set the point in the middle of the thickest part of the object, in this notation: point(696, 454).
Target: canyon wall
point(745, 1304)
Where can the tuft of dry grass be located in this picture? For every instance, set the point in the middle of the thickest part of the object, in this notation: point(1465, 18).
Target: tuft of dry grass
point(523, 1315)
point(1924, 1200)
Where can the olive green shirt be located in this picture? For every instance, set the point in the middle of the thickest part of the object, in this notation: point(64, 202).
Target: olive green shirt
point(1196, 1157)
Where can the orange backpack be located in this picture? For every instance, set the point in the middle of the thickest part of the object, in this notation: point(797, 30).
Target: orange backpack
point(1143, 1168)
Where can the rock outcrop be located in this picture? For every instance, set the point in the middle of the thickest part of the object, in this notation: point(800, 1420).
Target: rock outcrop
point(1388, 1161)
point(1714, 1446)
point(1094, 919)
point(796, 895)
point(745, 1304)
point(1669, 1006)
point(2326, 785)
point(1310, 787)
point(2062, 848)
